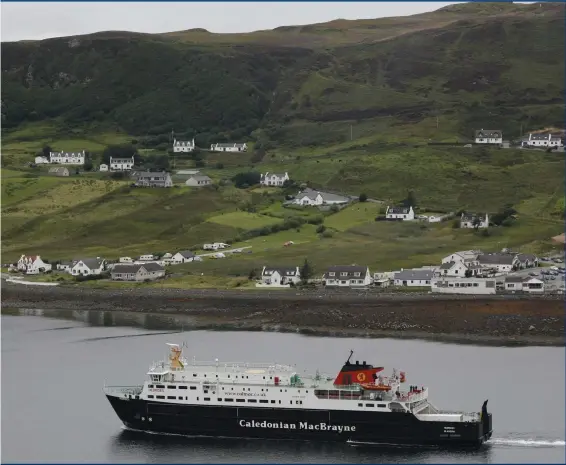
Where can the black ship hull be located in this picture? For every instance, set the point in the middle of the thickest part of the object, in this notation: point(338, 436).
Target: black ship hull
point(299, 424)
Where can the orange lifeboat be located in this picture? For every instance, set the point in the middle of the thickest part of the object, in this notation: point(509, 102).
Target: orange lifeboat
point(376, 387)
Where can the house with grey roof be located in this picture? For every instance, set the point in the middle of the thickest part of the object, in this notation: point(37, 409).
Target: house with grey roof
point(88, 266)
point(413, 278)
point(67, 158)
point(141, 272)
point(466, 256)
point(185, 256)
point(498, 262)
point(400, 213)
point(59, 171)
point(279, 276)
point(229, 147)
point(541, 140)
point(474, 220)
point(198, 180)
point(310, 197)
point(151, 179)
point(121, 163)
point(489, 136)
point(527, 260)
point(347, 276)
point(524, 284)
point(183, 145)
point(274, 179)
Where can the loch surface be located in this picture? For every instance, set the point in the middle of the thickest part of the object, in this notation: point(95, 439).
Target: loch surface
point(55, 364)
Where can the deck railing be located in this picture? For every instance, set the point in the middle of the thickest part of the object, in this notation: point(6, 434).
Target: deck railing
point(123, 391)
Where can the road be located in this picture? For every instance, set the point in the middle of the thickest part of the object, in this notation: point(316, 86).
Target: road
point(225, 251)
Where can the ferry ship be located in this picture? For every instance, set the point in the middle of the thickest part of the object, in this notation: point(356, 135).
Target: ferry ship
point(272, 401)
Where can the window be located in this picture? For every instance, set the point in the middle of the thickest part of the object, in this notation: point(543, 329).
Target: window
point(206, 398)
point(150, 386)
point(171, 397)
point(182, 387)
point(370, 405)
point(160, 397)
point(252, 401)
point(150, 396)
point(228, 400)
point(240, 400)
point(192, 388)
point(272, 401)
point(171, 387)
point(381, 405)
point(360, 405)
point(180, 398)
point(160, 386)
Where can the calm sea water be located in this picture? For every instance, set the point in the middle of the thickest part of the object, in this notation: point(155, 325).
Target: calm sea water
point(54, 366)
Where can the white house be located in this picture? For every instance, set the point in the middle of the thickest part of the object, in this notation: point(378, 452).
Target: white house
point(41, 160)
point(153, 179)
point(279, 276)
point(465, 256)
point(32, 264)
point(498, 262)
point(183, 145)
point(312, 197)
point(66, 265)
point(230, 147)
point(144, 272)
point(400, 213)
point(489, 136)
point(274, 179)
point(473, 220)
point(121, 164)
point(543, 140)
point(347, 276)
point(103, 167)
point(147, 258)
point(522, 284)
point(446, 285)
point(184, 256)
point(413, 278)
point(88, 266)
point(67, 158)
point(198, 180)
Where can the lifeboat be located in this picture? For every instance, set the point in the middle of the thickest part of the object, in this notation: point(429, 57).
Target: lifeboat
point(376, 387)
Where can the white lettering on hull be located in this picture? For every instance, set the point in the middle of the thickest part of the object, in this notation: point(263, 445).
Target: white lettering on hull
point(303, 425)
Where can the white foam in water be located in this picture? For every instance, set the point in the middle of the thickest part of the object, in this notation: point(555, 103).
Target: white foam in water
point(527, 442)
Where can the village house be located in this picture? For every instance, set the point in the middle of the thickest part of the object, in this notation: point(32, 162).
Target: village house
point(67, 158)
point(142, 272)
point(413, 278)
point(66, 265)
point(39, 160)
point(347, 276)
point(527, 260)
point(147, 258)
point(465, 256)
point(446, 285)
point(59, 171)
point(489, 136)
point(473, 220)
point(32, 264)
point(498, 262)
point(103, 167)
point(400, 213)
point(279, 276)
point(311, 197)
point(150, 179)
point(523, 284)
point(184, 256)
point(183, 145)
point(229, 147)
point(121, 164)
point(198, 180)
point(274, 179)
point(88, 267)
point(543, 140)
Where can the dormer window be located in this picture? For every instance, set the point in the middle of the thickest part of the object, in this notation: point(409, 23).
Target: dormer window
point(331, 273)
point(357, 273)
point(344, 273)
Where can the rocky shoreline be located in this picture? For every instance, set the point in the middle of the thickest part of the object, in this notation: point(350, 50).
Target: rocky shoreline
point(499, 320)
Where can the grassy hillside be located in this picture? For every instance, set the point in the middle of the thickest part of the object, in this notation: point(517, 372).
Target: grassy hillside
point(348, 106)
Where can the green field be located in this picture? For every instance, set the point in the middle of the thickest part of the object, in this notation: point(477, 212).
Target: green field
point(331, 104)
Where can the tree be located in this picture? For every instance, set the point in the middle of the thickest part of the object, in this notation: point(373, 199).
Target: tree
point(410, 200)
point(363, 197)
point(88, 162)
point(468, 273)
point(320, 229)
point(246, 179)
point(476, 222)
point(306, 272)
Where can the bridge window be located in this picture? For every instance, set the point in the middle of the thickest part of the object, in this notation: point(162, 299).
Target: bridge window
point(182, 387)
point(160, 397)
point(228, 400)
point(171, 397)
point(160, 386)
point(150, 396)
point(240, 400)
point(193, 388)
point(171, 387)
point(252, 401)
point(206, 398)
point(262, 401)
point(382, 405)
point(370, 405)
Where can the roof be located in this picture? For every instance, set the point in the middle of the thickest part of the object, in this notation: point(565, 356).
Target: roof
point(187, 253)
point(185, 172)
point(161, 176)
point(489, 133)
point(200, 177)
point(119, 159)
point(540, 136)
point(447, 266)
point(496, 259)
point(282, 270)
point(326, 196)
point(417, 275)
point(67, 154)
point(526, 256)
point(398, 210)
point(514, 279)
point(473, 216)
point(278, 175)
point(184, 142)
point(91, 263)
point(133, 269)
point(350, 269)
point(230, 144)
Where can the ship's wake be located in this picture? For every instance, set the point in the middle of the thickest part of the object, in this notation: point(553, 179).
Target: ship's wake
point(527, 442)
